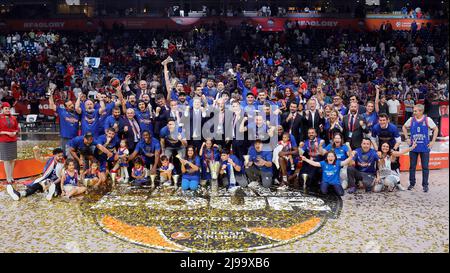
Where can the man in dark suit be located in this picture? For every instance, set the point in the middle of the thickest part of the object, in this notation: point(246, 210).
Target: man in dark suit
point(129, 129)
point(162, 114)
point(312, 119)
point(354, 127)
point(292, 122)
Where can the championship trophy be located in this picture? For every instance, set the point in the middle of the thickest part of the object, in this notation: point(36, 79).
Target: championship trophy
point(214, 167)
point(246, 159)
point(175, 180)
point(152, 179)
point(113, 178)
point(86, 182)
point(167, 60)
point(304, 178)
point(51, 89)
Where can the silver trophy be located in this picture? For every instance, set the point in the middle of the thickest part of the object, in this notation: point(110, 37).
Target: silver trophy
point(214, 167)
point(51, 89)
point(246, 160)
point(152, 180)
point(304, 178)
point(113, 177)
point(175, 180)
point(87, 182)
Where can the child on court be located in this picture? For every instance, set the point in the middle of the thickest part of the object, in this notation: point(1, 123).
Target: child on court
point(287, 147)
point(139, 173)
point(70, 182)
point(92, 176)
point(122, 163)
point(165, 171)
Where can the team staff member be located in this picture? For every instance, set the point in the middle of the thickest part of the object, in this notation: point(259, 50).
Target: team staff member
point(69, 120)
point(9, 127)
point(129, 129)
point(420, 125)
point(354, 126)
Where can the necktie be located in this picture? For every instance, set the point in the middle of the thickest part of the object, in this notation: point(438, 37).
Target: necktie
point(292, 122)
point(135, 130)
point(351, 123)
point(312, 118)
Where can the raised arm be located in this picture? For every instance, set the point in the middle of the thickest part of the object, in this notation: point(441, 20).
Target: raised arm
point(167, 79)
point(349, 159)
point(78, 105)
point(404, 151)
point(102, 106)
point(310, 162)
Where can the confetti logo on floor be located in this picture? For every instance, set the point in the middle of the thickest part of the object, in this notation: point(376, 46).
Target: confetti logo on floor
point(202, 223)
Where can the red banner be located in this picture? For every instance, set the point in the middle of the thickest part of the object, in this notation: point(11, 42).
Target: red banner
point(267, 23)
point(23, 108)
point(437, 161)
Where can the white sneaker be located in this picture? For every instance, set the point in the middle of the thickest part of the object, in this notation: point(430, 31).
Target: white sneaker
point(51, 192)
point(400, 187)
point(15, 195)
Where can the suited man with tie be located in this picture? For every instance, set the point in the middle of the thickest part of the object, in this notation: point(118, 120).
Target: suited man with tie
point(197, 117)
point(176, 112)
point(162, 113)
point(312, 119)
point(354, 126)
point(293, 122)
point(129, 129)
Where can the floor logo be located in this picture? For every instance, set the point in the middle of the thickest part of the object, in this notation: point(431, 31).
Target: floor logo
point(212, 223)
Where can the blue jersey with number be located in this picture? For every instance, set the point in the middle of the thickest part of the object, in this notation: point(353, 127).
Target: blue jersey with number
point(419, 134)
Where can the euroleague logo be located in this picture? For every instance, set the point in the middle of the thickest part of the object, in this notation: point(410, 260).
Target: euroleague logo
point(263, 219)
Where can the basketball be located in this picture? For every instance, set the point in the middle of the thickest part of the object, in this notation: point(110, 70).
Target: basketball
point(114, 82)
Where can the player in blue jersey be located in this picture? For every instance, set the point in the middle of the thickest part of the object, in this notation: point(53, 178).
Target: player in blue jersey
point(420, 126)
